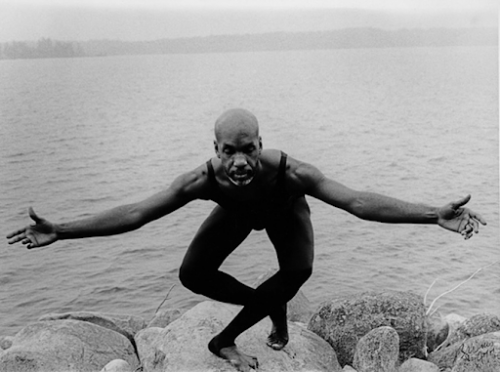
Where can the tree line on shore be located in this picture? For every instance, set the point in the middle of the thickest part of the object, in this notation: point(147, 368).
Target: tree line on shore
point(338, 39)
point(43, 48)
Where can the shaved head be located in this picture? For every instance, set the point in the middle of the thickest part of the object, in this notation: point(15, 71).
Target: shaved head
point(238, 145)
point(236, 120)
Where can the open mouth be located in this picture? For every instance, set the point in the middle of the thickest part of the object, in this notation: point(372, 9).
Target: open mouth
point(241, 179)
point(240, 176)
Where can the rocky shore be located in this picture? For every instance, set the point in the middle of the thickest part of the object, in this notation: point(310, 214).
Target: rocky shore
point(384, 331)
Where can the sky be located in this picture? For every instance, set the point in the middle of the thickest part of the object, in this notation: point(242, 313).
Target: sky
point(136, 20)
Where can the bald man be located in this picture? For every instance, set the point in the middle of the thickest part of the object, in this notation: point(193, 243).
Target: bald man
point(254, 189)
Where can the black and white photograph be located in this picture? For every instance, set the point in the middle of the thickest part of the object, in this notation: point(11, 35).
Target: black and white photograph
point(268, 185)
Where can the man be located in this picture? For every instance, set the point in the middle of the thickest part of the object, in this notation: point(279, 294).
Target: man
point(254, 189)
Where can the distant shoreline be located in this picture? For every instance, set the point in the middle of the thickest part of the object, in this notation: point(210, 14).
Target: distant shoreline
point(350, 38)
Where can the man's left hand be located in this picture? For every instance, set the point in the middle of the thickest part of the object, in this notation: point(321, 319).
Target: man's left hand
point(454, 217)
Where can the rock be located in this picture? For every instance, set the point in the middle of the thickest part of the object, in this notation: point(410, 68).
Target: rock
point(164, 318)
point(6, 342)
point(418, 365)
point(344, 320)
point(117, 365)
point(480, 353)
point(125, 324)
point(299, 308)
point(440, 328)
point(451, 323)
point(348, 368)
point(474, 326)
point(454, 321)
point(182, 345)
point(445, 356)
point(65, 345)
point(377, 351)
point(437, 331)
point(148, 346)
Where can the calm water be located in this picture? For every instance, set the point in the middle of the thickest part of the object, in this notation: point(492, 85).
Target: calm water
point(82, 135)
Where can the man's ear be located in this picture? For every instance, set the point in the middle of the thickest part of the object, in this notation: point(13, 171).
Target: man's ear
point(260, 145)
point(216, 148)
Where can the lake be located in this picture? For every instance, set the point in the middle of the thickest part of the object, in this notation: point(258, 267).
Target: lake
point(79, 136)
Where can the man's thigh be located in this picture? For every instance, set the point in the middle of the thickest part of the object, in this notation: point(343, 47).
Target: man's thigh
point(219, 235)
point(291, 233)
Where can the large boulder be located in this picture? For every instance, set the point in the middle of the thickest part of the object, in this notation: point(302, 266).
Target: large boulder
point(164, 317)
point(342, 321)
point(65, 345)
point(299, 308)
point(182, 345)
point(480, 353)
point(127, 325)
point(377, 351)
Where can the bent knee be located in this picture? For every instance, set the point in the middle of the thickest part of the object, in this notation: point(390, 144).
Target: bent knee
point(296, 278)
point(291, 281)
point(191, 279)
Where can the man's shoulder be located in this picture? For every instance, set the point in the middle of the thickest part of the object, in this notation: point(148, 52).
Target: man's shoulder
point(301, 175)
point(194, 182)
point(271, 157)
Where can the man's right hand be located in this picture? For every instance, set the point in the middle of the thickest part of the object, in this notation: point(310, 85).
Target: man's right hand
point(37, 235)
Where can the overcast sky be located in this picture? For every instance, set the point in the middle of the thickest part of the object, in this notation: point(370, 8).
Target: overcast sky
point(156, 19)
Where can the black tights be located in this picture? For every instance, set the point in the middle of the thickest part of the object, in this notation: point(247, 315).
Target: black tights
point(258, 303)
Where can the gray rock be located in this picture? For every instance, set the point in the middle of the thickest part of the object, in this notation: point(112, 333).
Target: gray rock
point(299, 308)
point(480, 353)
point(438, 337)
point(418, 365)
point(65, 345)
point(182, 345)
point(377, 351)
point(446, 355)
point(164, 318)
point(6, 342)
point(117, 365)
point(474, 326)
point(342, 321)
point(125, 324)
point(348, 368)
point(437, 331)
point(454, 321)
point(441, 328)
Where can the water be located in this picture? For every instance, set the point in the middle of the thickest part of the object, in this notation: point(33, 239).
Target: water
point(82, 135)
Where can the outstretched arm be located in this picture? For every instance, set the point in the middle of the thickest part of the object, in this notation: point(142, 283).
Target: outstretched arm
point(375, 207)
point(114, 221)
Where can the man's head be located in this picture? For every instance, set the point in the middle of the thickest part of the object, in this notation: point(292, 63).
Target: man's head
point(238, 145)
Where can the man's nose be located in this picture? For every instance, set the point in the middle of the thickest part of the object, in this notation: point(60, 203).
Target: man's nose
point(240, 161)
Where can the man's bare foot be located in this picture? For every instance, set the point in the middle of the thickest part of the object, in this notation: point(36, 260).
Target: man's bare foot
point(241, 361)
point(278, 338)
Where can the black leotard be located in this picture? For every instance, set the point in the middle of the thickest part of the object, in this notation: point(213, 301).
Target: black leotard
point(279, 198)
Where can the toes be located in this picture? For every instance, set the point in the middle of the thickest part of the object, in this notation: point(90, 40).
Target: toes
point(245, 364)
point(255, 363)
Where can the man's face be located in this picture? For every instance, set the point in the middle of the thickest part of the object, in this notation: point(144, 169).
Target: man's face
point(239, 152)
